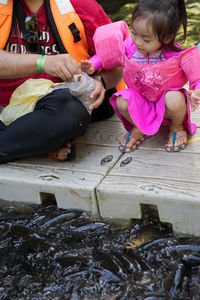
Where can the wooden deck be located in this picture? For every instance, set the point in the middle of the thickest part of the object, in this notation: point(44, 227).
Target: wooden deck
point(101, 181)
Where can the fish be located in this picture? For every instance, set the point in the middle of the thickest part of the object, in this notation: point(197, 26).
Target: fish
point(173, 282)
point(69, 260)
point(4, 228)
point(58, 219)
point(179, 251)
point(90, 226)
point(130, 261)
point(191, 260)
point(107, 262)
point(145, 235)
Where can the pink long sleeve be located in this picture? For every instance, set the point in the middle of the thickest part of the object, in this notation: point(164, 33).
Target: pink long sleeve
point(197, 85)
point(190, 62)
point(109, 44)
point(96, 62)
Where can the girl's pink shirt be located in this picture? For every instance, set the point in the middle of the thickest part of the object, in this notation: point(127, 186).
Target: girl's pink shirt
point(151, 81)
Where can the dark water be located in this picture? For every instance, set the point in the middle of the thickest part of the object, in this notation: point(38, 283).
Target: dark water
point(50, 253)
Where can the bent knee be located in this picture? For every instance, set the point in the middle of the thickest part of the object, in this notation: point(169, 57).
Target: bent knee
point(175, 100)
point(122, 104)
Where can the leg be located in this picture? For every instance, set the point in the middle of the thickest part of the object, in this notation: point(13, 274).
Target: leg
point(176, 108)
point(58, 118)
point(2, 127)
point(104, 111)
point(136, 134)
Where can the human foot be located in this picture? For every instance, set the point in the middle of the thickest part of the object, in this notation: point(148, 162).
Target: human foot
point(131, 141)
point(177, 140)
point(66, 153)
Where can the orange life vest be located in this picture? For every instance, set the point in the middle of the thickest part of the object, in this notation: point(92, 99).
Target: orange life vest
point(68, 28)
point(6, 15)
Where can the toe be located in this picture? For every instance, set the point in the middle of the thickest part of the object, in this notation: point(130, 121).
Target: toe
point(179, 139)
point(131, 142)
point(123, 140)
point(63, 153)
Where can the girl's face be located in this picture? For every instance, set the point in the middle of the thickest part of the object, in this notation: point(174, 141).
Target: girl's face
point(143, 37)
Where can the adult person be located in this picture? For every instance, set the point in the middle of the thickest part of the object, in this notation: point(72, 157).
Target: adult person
point(48, 39)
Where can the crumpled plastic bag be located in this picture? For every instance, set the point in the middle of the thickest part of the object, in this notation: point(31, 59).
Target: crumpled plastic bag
point(81, 87)
point(25, 97)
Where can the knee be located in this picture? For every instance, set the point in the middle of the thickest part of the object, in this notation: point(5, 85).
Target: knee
point(76, 116)
point(175, 101)
point(70, 121)
point(121, 104)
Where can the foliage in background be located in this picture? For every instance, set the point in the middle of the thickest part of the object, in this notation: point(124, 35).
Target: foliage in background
point(193, 28)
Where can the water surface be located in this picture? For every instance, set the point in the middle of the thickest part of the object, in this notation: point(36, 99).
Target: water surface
point(50, 253)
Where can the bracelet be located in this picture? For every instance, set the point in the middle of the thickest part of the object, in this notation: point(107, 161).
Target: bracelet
point(40, 63)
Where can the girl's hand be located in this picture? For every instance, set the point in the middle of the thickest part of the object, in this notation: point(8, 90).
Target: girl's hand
point(87, 67)
point(194, 99)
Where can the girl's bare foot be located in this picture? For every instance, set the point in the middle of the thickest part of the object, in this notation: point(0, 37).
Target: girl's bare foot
point(136, 134)
point(177, 139)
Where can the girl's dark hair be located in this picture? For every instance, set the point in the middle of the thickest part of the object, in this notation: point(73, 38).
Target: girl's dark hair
point(165, 16)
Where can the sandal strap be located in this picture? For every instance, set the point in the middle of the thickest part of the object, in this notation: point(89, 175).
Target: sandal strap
point(174, 137)
point(177, 134)
point(180, 133)
point(136, 136)
point(128, 137)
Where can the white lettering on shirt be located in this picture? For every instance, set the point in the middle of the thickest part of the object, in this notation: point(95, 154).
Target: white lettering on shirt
point(64, 6)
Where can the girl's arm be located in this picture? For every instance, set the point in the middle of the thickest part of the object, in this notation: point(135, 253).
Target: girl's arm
point(91, 65)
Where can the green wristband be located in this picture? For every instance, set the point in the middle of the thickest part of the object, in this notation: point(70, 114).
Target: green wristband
point(40, 63)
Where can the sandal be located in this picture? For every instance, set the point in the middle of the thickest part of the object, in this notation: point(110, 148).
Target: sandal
point(175, 135)
point(71, 156)
point(125, 149)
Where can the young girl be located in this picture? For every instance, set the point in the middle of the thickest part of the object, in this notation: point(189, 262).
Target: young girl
point(155, 69)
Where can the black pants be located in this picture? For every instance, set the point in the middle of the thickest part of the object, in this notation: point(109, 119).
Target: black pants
point(57, 118)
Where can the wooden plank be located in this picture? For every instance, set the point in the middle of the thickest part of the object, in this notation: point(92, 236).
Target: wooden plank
point(195, 116)
point(89, 158)
point(120, 197)
point(71, 189)
point(106, 133)
point(157, 141)
point(174, 204)
point(146, 163)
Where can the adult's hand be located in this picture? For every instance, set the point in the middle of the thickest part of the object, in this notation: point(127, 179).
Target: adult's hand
point(14, 65)
point(63, 66)
point(98, 94)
